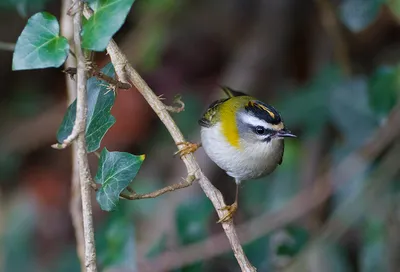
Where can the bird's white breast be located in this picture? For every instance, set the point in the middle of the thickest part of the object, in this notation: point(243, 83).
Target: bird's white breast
point(249, 161)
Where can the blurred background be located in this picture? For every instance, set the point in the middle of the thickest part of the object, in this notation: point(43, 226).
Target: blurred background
point(330, 67)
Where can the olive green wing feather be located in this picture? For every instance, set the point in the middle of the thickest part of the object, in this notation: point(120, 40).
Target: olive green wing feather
point(209, 118)
point(230, 92)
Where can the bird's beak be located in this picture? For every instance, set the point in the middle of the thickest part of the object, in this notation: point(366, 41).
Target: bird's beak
point(285, 133)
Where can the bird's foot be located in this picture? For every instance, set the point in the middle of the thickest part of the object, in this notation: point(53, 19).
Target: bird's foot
point(231, 210)
point(188, 148)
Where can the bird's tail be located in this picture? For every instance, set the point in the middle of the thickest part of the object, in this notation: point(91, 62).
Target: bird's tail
point(231, 93)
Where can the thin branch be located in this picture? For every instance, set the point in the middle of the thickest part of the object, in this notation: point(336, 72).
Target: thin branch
point(125, 71)
point(176, 109)
point(133, 195)
point(80, 124)
point(95, 71)
point(75, 205)
point(7, 46)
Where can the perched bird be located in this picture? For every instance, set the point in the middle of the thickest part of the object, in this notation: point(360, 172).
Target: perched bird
point(244, 137)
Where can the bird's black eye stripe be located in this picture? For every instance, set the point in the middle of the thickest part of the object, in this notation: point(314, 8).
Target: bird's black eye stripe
point(260, 130)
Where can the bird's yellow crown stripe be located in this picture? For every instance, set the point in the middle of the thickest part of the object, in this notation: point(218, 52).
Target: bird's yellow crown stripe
point(260, 106)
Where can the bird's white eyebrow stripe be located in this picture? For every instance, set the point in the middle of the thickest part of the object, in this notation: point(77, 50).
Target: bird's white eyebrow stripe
point(254, 121)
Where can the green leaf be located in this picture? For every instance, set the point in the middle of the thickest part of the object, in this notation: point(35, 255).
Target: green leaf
point(359, 14)
point(372, 253)
point(40, 45)
point(105, 22)
point(99, 118)
point(158, 247)
point(192, 218)
point(299, 110)
point(115, 241)
point(258, 253)
point(120, 244)
point(116, 171)
point(394, 6)
point(382, 87)
point(348, 114)
point(21, 219)
point(297, 239)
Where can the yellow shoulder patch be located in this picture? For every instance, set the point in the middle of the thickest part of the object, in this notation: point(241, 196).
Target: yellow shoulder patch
point(228, 125)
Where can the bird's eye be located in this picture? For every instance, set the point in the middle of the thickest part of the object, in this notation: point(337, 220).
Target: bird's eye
point(260, 130)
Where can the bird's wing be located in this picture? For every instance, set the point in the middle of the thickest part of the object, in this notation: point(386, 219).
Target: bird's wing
point(209, 118)
point(231, 93)
point(283, 149)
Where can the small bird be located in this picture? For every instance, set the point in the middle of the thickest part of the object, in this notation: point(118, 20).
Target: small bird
point(244, 137)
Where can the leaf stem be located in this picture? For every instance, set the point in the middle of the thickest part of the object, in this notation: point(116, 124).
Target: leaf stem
point(7, 46)
point(95, 71)
point(133, 195)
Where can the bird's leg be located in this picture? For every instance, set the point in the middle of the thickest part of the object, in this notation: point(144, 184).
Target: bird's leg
point(188, 148)
point(231, 209)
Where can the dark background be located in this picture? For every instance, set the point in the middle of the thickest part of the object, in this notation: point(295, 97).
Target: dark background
point(331, 69)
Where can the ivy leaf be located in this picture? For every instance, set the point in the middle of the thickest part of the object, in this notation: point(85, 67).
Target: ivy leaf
point(192, 218)
point(297, 239)
point(348, 114)
point(258, 252)
point(359, 14)
point(105, 22)
point(116, 171)
point(394, 6)
point(115, 241)
point(382, 88)
point(40, 44)
point(99, 118)
point(374, 244)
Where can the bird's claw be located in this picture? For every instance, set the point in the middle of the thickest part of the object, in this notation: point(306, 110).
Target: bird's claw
point(188, 148)
point(231, 210)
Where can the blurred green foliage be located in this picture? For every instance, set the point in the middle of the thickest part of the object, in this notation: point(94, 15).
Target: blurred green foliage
point(192, 219)
point(17, 241)
point(24, 7)
point(299, 110)
point(359, 14)
point(115, 240)
point(298, 238)
point(383, 87)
